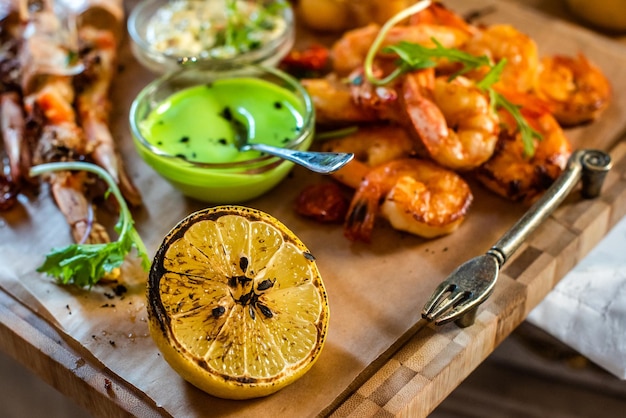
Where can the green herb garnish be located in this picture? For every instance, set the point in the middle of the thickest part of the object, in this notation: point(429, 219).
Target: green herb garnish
point(85, 264)
point(416, 57)
point(240, 27)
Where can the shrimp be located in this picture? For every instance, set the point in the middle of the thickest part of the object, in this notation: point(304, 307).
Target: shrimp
point(68, 189)
point(333, 102)
point(12, 120)
point(453, 119)
point(438, 14)
point(576, 90)
point(93, 105)
point(512, 174)
point(418, 197)
point(348, 53)
point(13, 128)
point(499, 42)
point(374, 145)
point(48, 99)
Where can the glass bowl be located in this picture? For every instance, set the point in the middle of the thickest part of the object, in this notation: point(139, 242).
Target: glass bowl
point(164, 34)
point(182, 127)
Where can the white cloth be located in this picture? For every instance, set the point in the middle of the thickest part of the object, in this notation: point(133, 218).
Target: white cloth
point(587, 308)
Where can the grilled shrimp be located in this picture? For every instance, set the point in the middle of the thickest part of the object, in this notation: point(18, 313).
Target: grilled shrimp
point(48, 98)
point(372, 146)
point(511, 173)
point(12, 123)
point(349, 52)
point(333, 102)
point(499, 42)
point(13, 134)
point(417, 196)
point(576, 90)
point(99, 52)
point(453, 119)
point(352, 99)
point(440, 15)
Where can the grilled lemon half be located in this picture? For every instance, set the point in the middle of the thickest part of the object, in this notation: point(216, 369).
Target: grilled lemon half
point(236, 303)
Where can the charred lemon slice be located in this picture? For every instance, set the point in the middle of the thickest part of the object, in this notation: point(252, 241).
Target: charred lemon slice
point(236, 303)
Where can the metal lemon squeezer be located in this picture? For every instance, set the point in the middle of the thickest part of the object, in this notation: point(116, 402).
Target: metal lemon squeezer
point(457, 298)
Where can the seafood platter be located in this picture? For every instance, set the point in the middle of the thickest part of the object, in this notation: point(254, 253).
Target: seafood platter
point(460, 115)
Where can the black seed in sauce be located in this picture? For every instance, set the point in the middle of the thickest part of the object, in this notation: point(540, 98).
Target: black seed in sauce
point(251, 311)
point(222, 141)
point(184, 139)
point(227, 114)
point(181, 156)
point(278, 105)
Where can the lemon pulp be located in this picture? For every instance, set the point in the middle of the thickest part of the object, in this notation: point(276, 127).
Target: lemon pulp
point(236, 303)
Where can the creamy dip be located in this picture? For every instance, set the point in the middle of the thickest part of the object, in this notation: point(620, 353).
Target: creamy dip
point(214, 28)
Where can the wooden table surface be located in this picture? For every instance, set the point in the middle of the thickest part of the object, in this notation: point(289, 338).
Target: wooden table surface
point(397, 383)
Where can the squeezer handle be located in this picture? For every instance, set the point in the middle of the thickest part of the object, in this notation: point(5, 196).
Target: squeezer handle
point(588, 166)
point(457, 298)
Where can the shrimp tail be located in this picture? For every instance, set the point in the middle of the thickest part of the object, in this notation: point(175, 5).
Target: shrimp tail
point(13, 134)
point(362, 214)
point(423, 115)
point(68, 191)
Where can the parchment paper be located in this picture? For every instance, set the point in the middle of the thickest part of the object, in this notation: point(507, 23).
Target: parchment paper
point(376, 291)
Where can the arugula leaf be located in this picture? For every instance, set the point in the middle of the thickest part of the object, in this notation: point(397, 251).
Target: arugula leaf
point(416, 56)
point(527, 133)
point(85, 264)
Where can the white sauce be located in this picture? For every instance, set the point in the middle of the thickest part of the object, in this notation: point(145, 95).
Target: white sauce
point(196, 28)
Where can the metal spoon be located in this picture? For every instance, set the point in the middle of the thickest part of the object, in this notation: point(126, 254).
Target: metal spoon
point(319, 162)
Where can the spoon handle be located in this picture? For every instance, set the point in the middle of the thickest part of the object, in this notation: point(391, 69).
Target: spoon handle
point(319, 162)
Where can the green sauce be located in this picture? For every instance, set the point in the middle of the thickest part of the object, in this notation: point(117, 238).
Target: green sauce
point(197, 123)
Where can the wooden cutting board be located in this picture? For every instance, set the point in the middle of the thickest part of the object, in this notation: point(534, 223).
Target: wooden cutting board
point(380, 357)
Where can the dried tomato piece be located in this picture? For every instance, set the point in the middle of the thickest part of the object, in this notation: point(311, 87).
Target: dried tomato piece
point(323, 202)
point(313, 58)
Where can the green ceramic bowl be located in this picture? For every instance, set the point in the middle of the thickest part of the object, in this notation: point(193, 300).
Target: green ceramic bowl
point(184, 134)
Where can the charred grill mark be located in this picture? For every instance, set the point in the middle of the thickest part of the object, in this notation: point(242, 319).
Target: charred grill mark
point(250, 298)
point(266, 284)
